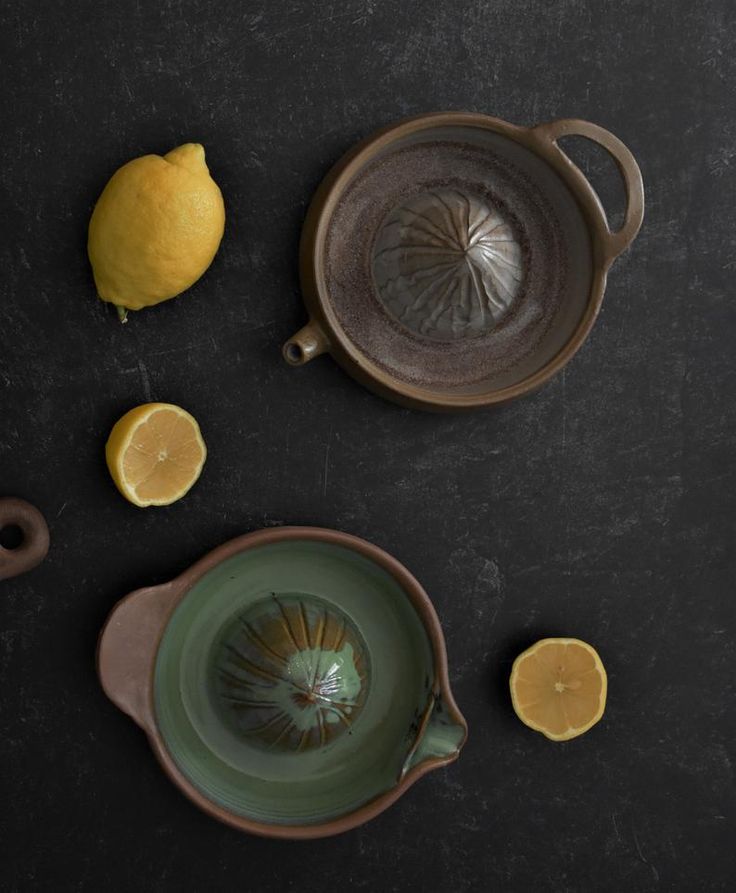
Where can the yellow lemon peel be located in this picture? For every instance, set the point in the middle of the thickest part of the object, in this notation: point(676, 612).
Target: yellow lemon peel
point(155, 229)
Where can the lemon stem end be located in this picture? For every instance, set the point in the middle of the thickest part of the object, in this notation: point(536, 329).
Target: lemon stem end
point(122, 313)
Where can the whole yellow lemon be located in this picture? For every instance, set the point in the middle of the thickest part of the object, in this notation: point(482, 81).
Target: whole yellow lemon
point(156, 228)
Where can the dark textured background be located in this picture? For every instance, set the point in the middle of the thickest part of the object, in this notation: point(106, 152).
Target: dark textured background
point(602, 507)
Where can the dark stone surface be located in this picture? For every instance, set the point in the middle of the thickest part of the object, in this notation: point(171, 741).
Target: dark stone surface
point(602, 507)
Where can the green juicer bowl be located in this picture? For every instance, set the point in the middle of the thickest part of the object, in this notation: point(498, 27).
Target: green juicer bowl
point(293, 683)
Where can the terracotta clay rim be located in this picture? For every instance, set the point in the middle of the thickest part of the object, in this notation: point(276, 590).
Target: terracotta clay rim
point(323, 332)
point(175, 591)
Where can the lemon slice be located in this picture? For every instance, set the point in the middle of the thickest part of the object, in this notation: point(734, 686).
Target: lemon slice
point(155, 453)
point(558, 688)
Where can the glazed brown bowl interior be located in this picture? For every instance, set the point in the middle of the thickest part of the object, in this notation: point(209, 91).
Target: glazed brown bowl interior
point(542, 214)
point(456, 260)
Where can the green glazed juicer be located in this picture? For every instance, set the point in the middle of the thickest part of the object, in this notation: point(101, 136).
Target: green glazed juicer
point(293, 683)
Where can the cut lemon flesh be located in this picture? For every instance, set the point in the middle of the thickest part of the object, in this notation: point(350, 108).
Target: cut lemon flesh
point(559, 687)
point(155, 453)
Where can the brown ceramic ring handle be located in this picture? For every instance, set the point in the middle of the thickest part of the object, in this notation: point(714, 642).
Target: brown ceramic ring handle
point(35, 544)
point(126, 651)
point(307, 344)
point(618, 241)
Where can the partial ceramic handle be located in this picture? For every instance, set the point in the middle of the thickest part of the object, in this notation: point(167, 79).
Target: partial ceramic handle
point(127, 648)
point(618, 241)
point(35, 543)
point(307, 344)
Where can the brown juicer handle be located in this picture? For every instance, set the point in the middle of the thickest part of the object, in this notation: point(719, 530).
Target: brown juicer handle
point(126, 651)
point(615, 242)
point(35, 543)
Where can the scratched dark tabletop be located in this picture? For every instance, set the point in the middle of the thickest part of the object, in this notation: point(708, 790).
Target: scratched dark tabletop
point(602, 507)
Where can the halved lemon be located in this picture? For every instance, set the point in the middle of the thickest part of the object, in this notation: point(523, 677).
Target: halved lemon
point(558, 687)
point(155, 453)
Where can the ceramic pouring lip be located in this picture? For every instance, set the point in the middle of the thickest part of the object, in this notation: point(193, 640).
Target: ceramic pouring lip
point(313, 242)
point(441, 685)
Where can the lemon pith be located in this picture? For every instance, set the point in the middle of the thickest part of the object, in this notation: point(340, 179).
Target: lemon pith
point(156, 228)
point(155, 453)
point(559, 687)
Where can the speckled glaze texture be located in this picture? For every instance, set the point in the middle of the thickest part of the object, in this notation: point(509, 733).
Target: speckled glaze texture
point(489, 323)
point(357, 232)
